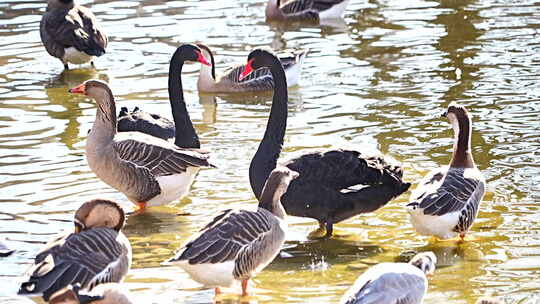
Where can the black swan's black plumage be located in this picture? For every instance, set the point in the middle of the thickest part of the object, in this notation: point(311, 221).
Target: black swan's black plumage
point(333, 185)
point(182, 129)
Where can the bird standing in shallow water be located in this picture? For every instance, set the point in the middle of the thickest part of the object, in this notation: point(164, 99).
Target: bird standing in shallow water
point(71, 33)
point(446, 201)
point(150, 171)
point(333, 185)
point(237, 244)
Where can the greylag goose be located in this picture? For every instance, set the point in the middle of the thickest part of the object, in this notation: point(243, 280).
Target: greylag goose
point(403, 283)
point(182, 129)
point(71, 33)
point(150, 171)
point(260, 80)
point(305, 10)
point(97, 253)
point(237, 244)
point(324, 189)
point(110, 293)
point(446, 201)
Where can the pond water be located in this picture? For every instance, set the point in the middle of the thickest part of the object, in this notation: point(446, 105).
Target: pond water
point(378, 79)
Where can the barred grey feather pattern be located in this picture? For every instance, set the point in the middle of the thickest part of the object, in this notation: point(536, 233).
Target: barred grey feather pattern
point(249, 238)
point(159, 160)
point(92, 257)
point(307, 9)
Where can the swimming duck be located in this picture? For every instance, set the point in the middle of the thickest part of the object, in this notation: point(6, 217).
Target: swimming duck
point(403, 283)
point(71, 33)
point(237, 244)
point(96, 253)
point(305, 10)
point(446, 201)
point(150, 171)
point(324, 191)
point(260, 80)
point(182, 130)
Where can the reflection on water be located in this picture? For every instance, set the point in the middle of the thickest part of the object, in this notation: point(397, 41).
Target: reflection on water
point(377, 80)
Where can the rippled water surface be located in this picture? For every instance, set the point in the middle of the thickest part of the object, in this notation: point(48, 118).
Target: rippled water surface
point(378, 79)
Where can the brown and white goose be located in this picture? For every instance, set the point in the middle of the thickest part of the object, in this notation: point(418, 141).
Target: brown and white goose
point(97, 253)
point(446, 201)
point(150, 171)
point(237, 244)
point(403, 283)
point(71, 33)
point(260, 80)
point(305, 10)
point(334, 185)
point(110, 293)
point(182, 130)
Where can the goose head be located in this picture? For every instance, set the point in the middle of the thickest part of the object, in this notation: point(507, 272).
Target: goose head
point(456, 113)
point(101, 92)
point(99, 213)
point(192, 53)
point(276, 185)
point(425, 261)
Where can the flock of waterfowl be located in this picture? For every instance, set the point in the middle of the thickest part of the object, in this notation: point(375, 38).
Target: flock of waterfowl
point(153, 161)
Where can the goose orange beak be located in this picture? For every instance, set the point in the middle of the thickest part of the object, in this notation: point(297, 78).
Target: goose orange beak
point(202, 60)
point(80, 89)
point(247, 70)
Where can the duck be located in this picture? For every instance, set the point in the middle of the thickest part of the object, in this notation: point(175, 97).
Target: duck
point(181, 131)
point(237, 244)
point(305, 10)
point(445, 203)
point(260, 80)
point(110, 293)
point(71, 33)
point(148, 170)
point(404, 283)
point(324, 191)
point(97, 252)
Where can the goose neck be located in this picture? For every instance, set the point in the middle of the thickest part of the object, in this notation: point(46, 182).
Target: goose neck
point(462, 155)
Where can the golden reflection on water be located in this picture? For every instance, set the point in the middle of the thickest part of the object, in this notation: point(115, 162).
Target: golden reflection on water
point(378, 79)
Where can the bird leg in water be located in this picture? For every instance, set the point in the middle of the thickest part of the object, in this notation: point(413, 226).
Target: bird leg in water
point(244, 288)
point(321, 232)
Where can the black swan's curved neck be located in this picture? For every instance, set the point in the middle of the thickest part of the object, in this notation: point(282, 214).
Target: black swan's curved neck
point(185, 137)
point(265, 158)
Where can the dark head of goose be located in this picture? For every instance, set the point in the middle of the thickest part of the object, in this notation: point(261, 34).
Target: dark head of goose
point(425, 261)
point(456, 109)
point(99, 213)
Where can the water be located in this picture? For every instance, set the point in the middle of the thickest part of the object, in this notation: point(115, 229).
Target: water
point(378, 79)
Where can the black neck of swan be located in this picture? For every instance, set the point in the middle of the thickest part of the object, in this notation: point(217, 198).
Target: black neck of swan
point(265, 158)
point(185, 137)
point(462, 155)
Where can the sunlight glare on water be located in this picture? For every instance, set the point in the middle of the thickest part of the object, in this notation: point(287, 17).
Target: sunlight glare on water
point(378, 80)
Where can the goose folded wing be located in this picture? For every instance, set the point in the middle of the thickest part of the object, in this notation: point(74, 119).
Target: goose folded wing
point(158, 156)
point(260, 78)
point(78, 258)
point(77, 28)
point(225, 237)
point(453, 194)
point(314, 6)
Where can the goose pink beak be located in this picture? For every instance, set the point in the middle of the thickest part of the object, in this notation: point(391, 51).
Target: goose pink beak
point(202, 60)
point(80, 89)
point(247, 70)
